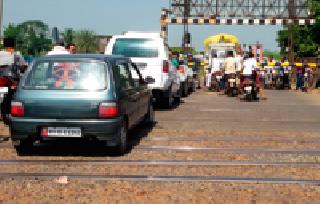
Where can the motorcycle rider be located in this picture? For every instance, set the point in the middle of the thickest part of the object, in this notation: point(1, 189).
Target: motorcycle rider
point(229, 67)
point(216, 70)
point(248, 70)
point(12, 66)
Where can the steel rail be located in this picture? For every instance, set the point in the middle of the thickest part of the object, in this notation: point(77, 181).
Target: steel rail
point(209, 150)
point(156, 163)
point(228, 149)
point(217, 179)
point(231, 138)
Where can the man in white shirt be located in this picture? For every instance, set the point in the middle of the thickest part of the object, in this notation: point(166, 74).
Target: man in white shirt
point(58, 49)
point(249, 65)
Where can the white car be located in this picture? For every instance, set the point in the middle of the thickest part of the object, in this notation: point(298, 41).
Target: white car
point(186, 79)
point(151, 55)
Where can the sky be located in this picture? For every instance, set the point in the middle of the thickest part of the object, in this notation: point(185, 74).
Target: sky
point(109, 17)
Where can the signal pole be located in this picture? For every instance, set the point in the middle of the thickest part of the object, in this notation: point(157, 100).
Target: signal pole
point(1, 17)
point(291, 10)
point(186, 36)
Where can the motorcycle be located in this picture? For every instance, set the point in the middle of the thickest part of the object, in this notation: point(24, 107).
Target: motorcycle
point(215, 81)
point(278, 78)
point(268, 77)
point(232, 85)
point(7, 89)
point(250, 90)
point(9, 80)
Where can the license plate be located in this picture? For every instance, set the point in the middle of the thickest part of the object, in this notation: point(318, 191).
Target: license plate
point(248, 88)
point(64, 132)
point(4, 90)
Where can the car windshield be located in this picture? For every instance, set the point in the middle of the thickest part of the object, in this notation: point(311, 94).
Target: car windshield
point(66, 75)
point(132, 47)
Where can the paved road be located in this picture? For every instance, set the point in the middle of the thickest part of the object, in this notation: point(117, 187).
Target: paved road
point(210, 148)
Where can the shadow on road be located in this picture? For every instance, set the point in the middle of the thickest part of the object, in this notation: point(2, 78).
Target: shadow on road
point(85, 148)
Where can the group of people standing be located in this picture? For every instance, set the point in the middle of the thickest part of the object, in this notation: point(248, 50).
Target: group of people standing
point(233, 66)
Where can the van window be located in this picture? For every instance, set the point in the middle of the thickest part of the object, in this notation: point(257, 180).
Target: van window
point(123, 77)
point(66, 75)
point(134, 47)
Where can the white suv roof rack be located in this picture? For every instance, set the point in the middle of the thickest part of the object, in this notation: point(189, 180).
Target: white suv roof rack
point(144, 33)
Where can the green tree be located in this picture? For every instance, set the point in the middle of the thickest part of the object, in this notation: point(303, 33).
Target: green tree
point(31, 37)
point(86, 41)
point(68, 36)
point(305, 38)
point(180, 50)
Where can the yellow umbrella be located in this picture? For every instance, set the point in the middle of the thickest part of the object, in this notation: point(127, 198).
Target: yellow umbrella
point(222, 37)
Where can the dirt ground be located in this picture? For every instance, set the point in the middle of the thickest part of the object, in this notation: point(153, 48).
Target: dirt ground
point(286, 120)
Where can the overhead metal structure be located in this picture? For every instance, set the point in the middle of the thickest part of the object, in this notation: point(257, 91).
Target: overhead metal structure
point(235, 12)
point(241, 8)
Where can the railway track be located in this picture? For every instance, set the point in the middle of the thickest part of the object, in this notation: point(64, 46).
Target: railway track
point(229, 150)
point(218, 179)
point(210, 150)
point(156, 163)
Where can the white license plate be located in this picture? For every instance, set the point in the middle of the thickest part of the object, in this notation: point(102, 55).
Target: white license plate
point(64, 132)
point(248, 88)
point(4, 89)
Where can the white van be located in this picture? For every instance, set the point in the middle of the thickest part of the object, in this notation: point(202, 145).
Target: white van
point(149, 52)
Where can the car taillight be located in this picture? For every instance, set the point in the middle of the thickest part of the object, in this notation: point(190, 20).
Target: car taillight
point(4, 81)
point(17, 109)
point(181, 69)
point(108, 110)
point(165, 66)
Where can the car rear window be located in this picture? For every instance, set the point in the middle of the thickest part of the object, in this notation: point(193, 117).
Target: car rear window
point(67, 75)
point(133, 47)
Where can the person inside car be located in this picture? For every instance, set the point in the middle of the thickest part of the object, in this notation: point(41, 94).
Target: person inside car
point(71, 47)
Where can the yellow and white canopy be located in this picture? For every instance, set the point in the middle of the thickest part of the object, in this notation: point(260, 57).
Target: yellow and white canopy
point(221, 38)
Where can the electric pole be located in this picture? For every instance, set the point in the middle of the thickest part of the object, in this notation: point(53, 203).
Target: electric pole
point(291, 13)
point(186, 35)
point(1, 17)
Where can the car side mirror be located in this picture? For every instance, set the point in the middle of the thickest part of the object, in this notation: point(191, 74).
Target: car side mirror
point(149, 80)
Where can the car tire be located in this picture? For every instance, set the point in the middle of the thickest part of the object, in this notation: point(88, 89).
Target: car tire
point(122, 147)
point(150, 116)
point(25, 147)
point(168, 101)
point(193, 87)
point(185, 91)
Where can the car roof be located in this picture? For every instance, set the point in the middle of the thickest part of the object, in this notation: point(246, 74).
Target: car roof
point(138, 36)
point(100, 57)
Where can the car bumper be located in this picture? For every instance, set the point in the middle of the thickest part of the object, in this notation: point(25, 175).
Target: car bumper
point(104, 130)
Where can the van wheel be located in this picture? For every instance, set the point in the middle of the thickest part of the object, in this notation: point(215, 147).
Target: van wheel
point(122, 147)
point(25, 147)
point(168, 101)
point(185, 91)
point(149, 118)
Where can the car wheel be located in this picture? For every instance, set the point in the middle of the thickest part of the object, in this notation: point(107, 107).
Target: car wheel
point(168, 101)
point(25, 147)
point(193, 87)
point(185, 90)
point(150, 118)
point(122, 147)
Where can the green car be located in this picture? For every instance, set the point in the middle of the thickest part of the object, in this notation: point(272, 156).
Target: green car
point(80, 96)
